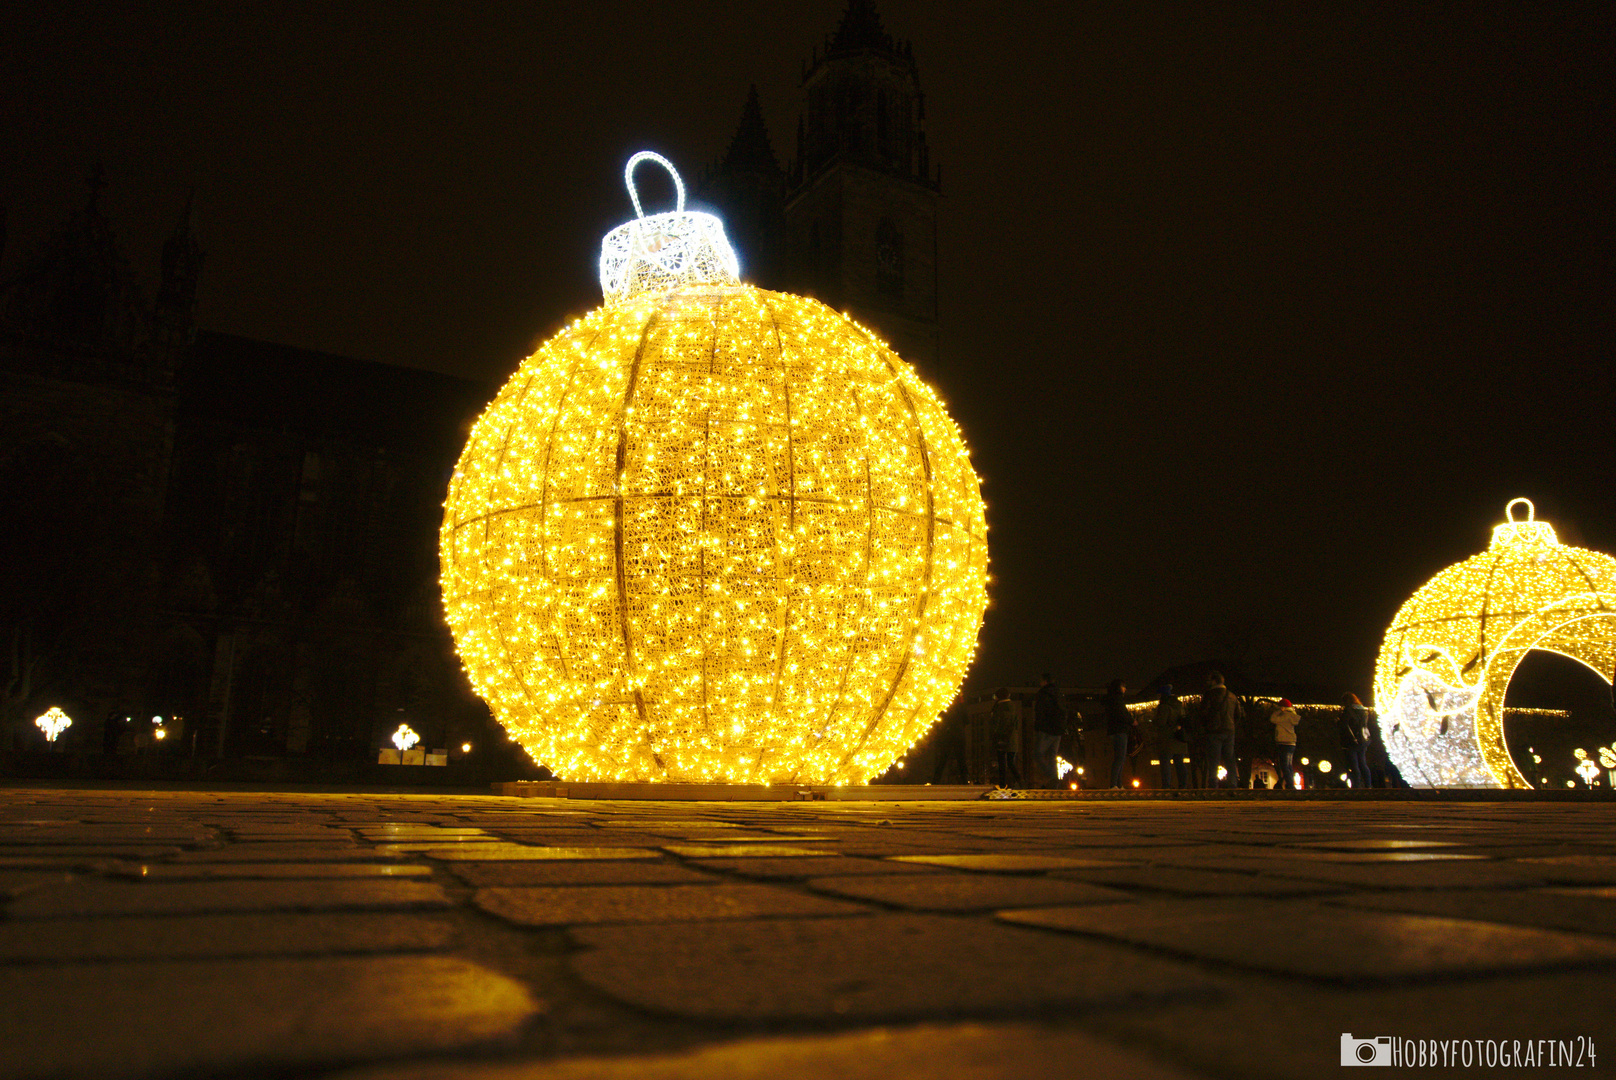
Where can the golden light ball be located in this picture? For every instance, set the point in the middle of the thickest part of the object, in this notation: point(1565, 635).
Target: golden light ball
point(710, 532)
point(1451, 651)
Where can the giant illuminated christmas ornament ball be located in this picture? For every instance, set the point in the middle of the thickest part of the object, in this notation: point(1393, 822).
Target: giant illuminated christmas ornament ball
point(1450, 653)
point(709, 532)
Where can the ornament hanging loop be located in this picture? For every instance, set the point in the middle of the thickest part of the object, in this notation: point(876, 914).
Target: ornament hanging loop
point(1509, 511)
point(634, 196)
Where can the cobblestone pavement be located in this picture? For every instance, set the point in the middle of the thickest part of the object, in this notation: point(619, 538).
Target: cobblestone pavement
point(372, 937)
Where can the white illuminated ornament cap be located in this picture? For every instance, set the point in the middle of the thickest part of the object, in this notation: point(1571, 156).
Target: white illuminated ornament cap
point(404, 737)
point(664, 251)
point(1514, 533)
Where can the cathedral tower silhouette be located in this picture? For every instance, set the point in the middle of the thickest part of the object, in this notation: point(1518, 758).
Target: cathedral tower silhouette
point(852, 220)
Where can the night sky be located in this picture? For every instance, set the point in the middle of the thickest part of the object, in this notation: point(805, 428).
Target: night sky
point(1254, 319)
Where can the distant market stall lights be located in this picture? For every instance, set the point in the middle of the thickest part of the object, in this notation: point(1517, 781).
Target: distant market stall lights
point(1450, 653)
point(709, 532)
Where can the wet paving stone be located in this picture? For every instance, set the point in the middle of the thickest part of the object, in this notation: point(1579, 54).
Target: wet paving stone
point(1217, 938)
point(257, 1017)
point(67, 854)
point(94, 898)
point(741, 851)
point(1467, 874)
point(932, 1052)
point(278, 852)
point(1007, 864)
point(1172, 879)
point(610, 872)
point(1324, 942)
point(1375, 844)
point(787, 868)
point(1555, 909)
point(247, 871)
point(167, 938)
point(966, 892)
point(524, 853)
point(587, 904)
point(879, 966)
point(17, 882)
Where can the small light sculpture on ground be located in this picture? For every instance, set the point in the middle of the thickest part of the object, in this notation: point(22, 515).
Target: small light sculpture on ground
point(405, 737)
point(1587, 768)
point(1450, 653)
point(53, 722)
point(713, 533)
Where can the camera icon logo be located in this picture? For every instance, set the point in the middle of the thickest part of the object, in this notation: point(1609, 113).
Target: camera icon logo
point(1371, 1051)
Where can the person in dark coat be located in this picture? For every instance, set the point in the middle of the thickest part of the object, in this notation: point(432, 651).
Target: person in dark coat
point(1195, 739)
point(1221, 713)
point(1355, 739)
point(1006, 735)
point(1118, 725)
point(951, 736)
point(1049, 721)
point(1167, 728)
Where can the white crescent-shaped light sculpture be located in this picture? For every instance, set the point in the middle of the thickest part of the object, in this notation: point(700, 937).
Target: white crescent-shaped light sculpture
point(1450, 653)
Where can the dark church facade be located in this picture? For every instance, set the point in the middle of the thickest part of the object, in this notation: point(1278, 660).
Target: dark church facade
point(229, 532)
point(243, 535)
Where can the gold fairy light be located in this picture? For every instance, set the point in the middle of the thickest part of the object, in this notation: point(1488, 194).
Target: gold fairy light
point(710, 532)
point(1450, 653)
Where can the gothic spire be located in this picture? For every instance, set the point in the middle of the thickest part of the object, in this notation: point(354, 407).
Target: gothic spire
point(750, 150)
point(861, 29)
point(182, 270)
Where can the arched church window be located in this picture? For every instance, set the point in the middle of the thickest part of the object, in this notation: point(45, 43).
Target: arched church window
point(889, 258)
point(883, 127)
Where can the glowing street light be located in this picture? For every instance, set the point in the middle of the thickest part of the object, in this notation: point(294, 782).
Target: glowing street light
point(1587, 768)
point(405, 737)
point(53, 723)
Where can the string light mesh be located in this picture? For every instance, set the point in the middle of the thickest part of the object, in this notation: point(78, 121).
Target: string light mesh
point(715, 533)
point(1450, 653)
